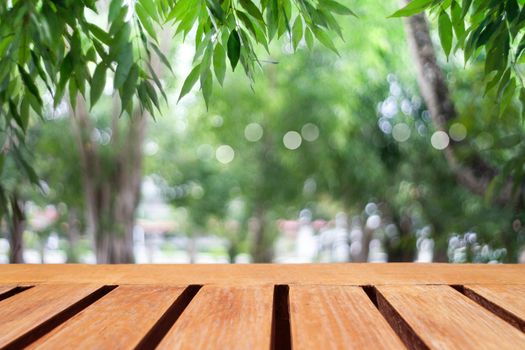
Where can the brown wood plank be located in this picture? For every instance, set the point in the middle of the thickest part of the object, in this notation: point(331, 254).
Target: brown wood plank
point(4, 289)
point(224, 318)
point(241, 275)
point(506, 301)
point(328, 317)
point(117, 321)
point(25, 311)
point(445, 319)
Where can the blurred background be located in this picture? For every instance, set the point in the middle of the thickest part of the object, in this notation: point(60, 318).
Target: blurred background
point(325, 158)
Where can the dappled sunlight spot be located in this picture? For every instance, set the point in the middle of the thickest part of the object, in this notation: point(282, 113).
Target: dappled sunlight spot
point(401, 132)
point(310, 186)
point(457, 132)
point(389, 107)
point(217, 121)
point(224, 154)
point(253, 132)
point(439, 140)
point(406, 107)
point(373, 222)
point(310, 132)
point(421, 128)
point(292, 140)
point(371, 208)
point(385, 126)
point(100, 136)
point(395, 89)
point(197, 191)
point(151, 148)
point(205, 151)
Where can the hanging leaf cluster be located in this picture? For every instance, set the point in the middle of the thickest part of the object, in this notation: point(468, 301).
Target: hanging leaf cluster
point(227, 32)
point(52, 51)
point(493, 30)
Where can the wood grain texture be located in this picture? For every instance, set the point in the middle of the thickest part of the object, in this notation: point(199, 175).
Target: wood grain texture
point(24, 311)
point(326, 317)
point(224, 318)
point(4, 289)
point(260, 274)
point(445, 319)
point(506, 301)
point(117, 321)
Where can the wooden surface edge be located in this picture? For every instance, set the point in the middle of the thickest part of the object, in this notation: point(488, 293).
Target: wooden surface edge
point(334, 274)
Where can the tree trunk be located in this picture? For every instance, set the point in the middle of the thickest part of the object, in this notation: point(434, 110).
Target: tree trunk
point(475, 174)
point(260, 251)
point(73, 234)
point(111, 188)
point(18, 224)
point(403, 248)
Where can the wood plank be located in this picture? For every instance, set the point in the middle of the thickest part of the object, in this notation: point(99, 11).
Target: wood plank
point(445, 319)
point(117, 321)
point(224, 318)
point(4, 289)
point(25, 311)
point(326, 317)
point(506, 301)
point(242, 275)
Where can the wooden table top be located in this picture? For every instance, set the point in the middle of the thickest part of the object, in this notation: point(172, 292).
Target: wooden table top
point(314, 306)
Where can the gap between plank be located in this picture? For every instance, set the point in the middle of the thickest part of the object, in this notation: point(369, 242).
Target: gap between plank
point(403, 330)
point(55, 321)
point(281, 333)
point(497, 310)
point(13, 291)
point(168, 319)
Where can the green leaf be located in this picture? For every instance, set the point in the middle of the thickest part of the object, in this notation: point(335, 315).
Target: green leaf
point(114, 9)
point(125, 60)
point(73, 91)
point(219, 63)
point(297, 32)
point(272, 18)
point(252, 10)
point(152, 94)
point(245, 19)
point(157, 81)
point(465, 7)
point(336, 7)
point(522, 100)
point(29, 84)
point(457, 22)
point(507, 96)
point(216, 10)
point(14, 113)
point(129, 87)
point(100, 33)
point(309, 38)
point(413, 8)
point(162, 57)
point(145, 21)
point(190, 81)
point(98, 82)
point(445, 32)
point(206, 86)
point(325, 39)
point(151, 8)
point(234, 48)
